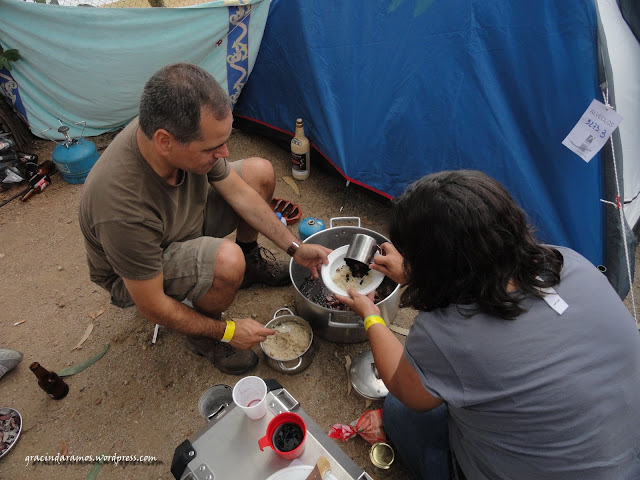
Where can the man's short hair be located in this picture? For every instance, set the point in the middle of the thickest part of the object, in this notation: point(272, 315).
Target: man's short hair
point(174, 98)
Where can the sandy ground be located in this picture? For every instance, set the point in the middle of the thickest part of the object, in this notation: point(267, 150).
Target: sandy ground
point(142, 398)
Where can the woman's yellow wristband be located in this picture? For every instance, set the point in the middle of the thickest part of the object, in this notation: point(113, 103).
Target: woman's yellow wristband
point(371, 320)
point(229, 331)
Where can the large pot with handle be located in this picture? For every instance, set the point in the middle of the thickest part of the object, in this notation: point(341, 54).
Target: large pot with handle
point(340, 326)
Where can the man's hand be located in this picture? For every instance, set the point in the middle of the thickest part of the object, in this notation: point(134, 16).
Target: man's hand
point(362, 305)
point(249, 333)
point(391, 264)
point(313, 257)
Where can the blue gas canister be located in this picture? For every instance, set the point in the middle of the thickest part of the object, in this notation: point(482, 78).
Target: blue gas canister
point(309, 226)
point(74, 157)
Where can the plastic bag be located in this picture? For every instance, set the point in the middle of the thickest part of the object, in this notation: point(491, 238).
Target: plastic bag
point(368, 426)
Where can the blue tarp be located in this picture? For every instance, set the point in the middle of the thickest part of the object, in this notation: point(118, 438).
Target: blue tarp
point(90, 64)
point(391, 90)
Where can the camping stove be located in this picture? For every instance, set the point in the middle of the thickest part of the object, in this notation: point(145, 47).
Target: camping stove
point(227, 447)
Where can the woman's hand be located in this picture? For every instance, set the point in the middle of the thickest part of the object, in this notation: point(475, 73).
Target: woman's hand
point(362, 305)
point(391, 264)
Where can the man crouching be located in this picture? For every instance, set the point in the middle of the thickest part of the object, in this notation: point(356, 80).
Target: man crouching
point(155, 209)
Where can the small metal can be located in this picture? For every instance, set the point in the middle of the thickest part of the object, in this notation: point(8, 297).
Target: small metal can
point(382, 456)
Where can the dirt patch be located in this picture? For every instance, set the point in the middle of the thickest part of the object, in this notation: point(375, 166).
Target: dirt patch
point(142, 398)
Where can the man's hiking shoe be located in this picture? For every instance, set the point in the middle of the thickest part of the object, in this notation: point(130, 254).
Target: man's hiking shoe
point(262, 267)
point(224, 357)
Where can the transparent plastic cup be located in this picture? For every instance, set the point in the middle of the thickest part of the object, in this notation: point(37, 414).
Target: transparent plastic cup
point(250, 394)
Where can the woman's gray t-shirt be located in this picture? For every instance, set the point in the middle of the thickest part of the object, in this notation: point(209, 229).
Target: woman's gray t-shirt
point(545, 396)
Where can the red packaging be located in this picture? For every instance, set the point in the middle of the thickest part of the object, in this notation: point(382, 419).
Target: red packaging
point(368, 426)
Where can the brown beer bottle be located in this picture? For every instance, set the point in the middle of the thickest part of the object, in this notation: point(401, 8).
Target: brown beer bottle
point(46, 168)
point(38, 187)
point(50, 382)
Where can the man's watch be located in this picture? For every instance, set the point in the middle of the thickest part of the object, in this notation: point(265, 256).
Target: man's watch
point(293, 248)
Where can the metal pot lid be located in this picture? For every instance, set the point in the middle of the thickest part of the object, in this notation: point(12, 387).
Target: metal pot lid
point(215, 399)
point(365, 378)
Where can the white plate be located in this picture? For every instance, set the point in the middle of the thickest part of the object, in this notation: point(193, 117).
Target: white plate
point(299, 472)
point(336, 260)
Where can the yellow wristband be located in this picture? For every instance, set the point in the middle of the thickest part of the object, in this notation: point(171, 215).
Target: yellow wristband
point(229, 331)
point(372, 319)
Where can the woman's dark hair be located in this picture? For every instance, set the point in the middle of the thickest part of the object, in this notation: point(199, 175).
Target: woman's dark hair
point(463, 239)
point(174, 97)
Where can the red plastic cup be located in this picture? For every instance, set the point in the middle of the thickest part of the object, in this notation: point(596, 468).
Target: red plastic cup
point(284, 420)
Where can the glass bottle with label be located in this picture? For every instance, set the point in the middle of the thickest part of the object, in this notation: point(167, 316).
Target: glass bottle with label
point(300, 153)
point(38, 187)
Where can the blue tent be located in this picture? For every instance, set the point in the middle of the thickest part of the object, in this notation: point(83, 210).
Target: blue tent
point(391, 90)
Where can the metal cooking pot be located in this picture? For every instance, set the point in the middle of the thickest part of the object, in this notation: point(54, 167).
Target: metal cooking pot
point(297, 364)
point(336, 325)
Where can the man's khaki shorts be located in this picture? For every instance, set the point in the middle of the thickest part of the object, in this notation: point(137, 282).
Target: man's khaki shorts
point(188, 266)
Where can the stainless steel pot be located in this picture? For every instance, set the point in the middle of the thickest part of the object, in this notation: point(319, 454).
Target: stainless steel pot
point(295, 365)
point(336, 325)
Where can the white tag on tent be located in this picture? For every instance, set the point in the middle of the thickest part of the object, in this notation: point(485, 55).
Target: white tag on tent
point(593, 130)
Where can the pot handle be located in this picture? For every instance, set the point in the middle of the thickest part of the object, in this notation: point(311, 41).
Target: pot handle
point(287, 369)
point(343, 325)
point(352, 219)
point(284, 309)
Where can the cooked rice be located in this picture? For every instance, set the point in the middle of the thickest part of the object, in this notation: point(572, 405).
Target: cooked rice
point(344, 279)
point(290, 341)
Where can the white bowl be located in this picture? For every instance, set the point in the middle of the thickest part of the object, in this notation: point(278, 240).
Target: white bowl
point(336, 260)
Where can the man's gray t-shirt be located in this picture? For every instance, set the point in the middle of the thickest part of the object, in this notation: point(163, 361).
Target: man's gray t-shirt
point(544, 396)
